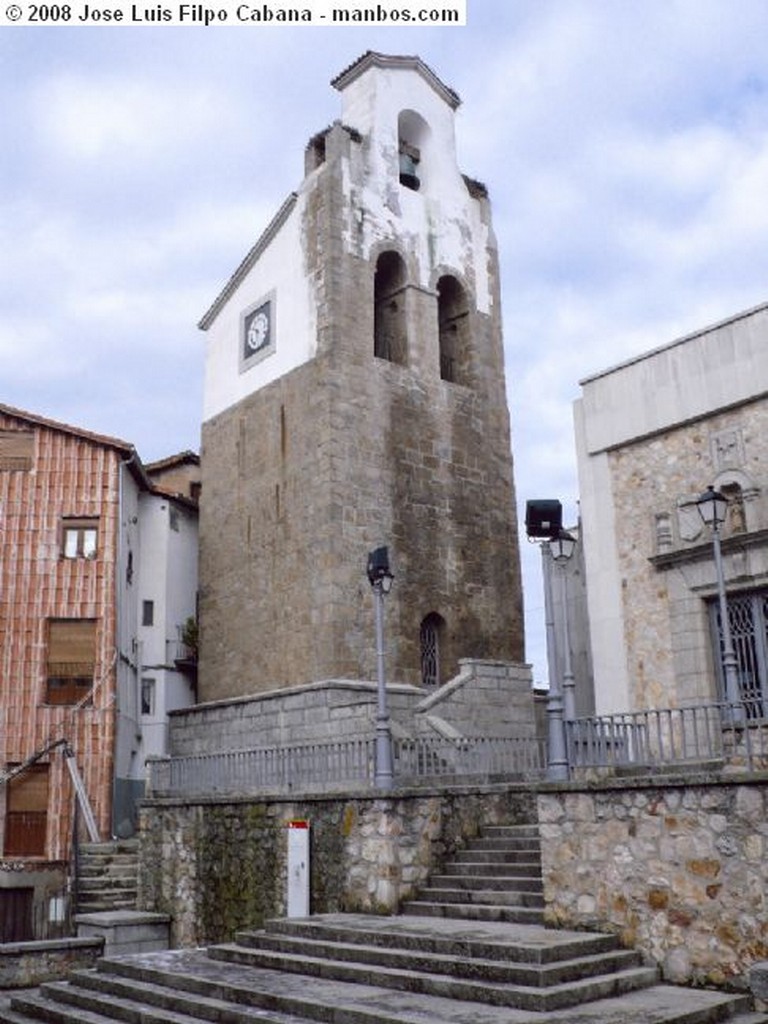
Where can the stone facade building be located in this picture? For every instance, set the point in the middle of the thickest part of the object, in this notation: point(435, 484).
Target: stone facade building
point(652, 435)
point(354, 397)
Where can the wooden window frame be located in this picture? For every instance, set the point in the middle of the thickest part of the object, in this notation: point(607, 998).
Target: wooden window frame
point(80, 528)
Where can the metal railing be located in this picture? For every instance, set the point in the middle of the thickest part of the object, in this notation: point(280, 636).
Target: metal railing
point(334, 765)
point(734, 734)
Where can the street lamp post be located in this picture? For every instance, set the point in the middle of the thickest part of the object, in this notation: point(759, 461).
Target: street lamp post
point(713, 508)
point(557, 756)
point(561, 548)
point(380, 577)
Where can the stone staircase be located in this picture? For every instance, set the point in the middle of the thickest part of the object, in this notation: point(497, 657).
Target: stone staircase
point(471, 949)
point(107, 876)
point(497, 877)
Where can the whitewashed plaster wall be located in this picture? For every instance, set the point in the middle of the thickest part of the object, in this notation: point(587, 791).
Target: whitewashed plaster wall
point(167, 577)
point(442, 226)
point(294, 320)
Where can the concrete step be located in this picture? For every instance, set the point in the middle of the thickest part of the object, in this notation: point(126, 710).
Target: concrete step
point(127, 902)
point(502, 965)
point(93, 997)
point(500, 856)
point(503, 883)
point(518, 944)
point(498, 869)
point(493, 993)
point(508, 897)
point(186, 986)
point(474, 911)
point(112, 846)
point(96, 883)
point(506, 970)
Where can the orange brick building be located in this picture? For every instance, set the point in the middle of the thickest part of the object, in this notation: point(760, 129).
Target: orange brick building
point(71, 599)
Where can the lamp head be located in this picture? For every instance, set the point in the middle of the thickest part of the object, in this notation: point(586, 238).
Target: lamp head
point(712, 506)
point(378, 569)
point(562, 546)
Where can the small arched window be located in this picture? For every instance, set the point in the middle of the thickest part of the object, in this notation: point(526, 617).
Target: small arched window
point(432, 627)
point(389, 322)
point(413, 135)
point(453, 330)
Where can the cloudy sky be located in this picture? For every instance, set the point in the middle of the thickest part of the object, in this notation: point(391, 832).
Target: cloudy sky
point(625, 146)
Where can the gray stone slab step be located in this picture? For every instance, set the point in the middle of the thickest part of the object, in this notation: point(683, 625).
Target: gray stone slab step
point(107, 881)
point(523, 828)
point(145, 1003)
point(519, 943)
point(475, 912)
point(500, 856)
point(496, 994)
point(504, 897)
point(526, 883)
point(503, 970)
point(498, 869)
point(263, 992)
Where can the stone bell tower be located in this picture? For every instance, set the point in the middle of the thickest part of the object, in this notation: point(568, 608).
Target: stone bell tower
point(355, 397)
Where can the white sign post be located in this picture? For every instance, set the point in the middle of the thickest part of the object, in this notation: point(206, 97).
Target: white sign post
point(298, 868)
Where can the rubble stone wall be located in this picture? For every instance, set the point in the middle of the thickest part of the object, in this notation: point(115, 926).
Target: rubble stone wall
point(677, 871)
point(217, 866)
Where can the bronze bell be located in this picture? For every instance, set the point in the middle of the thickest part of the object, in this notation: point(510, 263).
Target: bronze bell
point(408, 176)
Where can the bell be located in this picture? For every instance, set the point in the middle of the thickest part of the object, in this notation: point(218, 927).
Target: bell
point(408, 176)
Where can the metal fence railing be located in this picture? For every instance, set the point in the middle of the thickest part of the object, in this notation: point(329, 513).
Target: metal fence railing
point(341, 763)
point(735, 734)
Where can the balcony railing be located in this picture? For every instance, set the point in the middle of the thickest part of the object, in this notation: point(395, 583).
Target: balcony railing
point(340, 764)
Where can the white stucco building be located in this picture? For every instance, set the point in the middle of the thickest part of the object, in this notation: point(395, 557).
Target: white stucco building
point(652, 434)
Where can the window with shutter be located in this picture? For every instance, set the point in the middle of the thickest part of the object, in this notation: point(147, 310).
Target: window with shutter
point(17, 450)
point(71, 660)
point(26, 813)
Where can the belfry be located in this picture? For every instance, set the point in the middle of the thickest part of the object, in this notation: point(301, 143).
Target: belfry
point(355, 397)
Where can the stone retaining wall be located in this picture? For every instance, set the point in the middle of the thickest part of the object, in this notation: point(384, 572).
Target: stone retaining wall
point(678, 870)
point(217, 866)
point(487, 698)
point(25, 964)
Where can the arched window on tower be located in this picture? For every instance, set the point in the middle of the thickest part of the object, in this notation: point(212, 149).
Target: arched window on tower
point(453, 330)
point(389, 324)
point(432, 627)
point(413, 136)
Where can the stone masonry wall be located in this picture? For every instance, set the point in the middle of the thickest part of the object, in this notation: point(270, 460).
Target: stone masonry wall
point(216, 867)
point(668, 646)
point(486, 699)
point(302, 478)
point(679, 872)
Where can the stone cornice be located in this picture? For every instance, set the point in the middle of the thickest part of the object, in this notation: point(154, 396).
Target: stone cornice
point(698, 552)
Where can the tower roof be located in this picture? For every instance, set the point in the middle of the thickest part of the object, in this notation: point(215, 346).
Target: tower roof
point(371, 59)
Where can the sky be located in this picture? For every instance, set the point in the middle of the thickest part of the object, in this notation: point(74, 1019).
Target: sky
point(624, 145)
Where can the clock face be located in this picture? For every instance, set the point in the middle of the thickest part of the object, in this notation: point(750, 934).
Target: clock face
point(257, 337)
point(258, 332)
